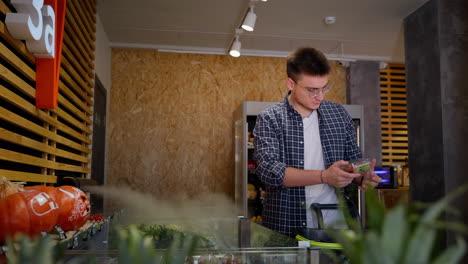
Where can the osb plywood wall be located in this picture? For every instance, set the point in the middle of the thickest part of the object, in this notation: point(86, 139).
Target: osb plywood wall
point(171, 117)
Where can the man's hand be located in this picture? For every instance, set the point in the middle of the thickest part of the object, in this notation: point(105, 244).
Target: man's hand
point(337, 177)
point(370, 179)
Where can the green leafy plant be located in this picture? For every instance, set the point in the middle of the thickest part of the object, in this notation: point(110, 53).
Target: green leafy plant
point(401, 235)
point(164, 235)
point(41, 250)
point(135, 247)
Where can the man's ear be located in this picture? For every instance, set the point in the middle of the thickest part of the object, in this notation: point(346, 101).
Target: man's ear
point(290, 84)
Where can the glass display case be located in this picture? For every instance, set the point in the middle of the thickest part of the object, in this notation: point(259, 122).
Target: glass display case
point(220, 256)
point(218, 240)
point(234, 241)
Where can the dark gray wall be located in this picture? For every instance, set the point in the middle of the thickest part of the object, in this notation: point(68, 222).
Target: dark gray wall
point(424, 105)
point(436, 48)
point(363, 88)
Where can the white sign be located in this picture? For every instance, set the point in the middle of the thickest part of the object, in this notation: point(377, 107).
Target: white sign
point(35, 23)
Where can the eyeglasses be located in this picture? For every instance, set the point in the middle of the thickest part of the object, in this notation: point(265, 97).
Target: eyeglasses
point(313, 92)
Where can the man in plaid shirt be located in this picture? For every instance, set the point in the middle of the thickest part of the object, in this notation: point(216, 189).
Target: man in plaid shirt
point(300, 144)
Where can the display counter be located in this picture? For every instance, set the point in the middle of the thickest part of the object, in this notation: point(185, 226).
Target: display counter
point(231, 241)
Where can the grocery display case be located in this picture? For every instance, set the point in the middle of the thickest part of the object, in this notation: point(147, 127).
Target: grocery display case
point(223, 240)
point(248, 198)
point(241, 242)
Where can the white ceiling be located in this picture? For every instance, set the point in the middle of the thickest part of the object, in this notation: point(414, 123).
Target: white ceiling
point(364, 29)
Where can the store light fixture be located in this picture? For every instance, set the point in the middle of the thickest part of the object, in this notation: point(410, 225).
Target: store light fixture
point(236, 47)
point(249, 20)
point(248, 24)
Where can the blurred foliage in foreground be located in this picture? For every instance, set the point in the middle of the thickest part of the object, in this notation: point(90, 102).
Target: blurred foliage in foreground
point(402, 235)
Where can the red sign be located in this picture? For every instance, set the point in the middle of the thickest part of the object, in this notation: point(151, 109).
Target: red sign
point(41, 23)
point(48, 70)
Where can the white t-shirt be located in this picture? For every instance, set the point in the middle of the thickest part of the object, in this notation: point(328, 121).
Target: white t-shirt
point(313, 160)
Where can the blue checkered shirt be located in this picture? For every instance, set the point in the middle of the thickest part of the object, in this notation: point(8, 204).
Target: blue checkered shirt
point(279, 144)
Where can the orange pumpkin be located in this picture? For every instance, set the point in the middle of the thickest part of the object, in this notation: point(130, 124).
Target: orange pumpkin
point(29, 212)
point(74, 206)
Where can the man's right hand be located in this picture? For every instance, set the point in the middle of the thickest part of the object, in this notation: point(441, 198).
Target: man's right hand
point(337, 177)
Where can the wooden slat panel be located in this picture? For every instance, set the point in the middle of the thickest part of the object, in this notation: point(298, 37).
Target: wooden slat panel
point(77, 35)
point(82, 105)
point(77, 51)
point(393, 89)
point(69, 72)
point(393, 101)
point(30, 126)
point(86, 19)
point(69, 124)
point(4, 9)
point(17, 63)
point(393, 95)
point(77, 61)
point(395, 132)
point(85, 61)
point(79, 24)
point(31, 109)
point(395, 114)
point(402, 108)
point(403, 152)
point(394, 144)
point(393, 126)
point(394, 138)
point(71, 83)
point(93, 6)
point(39, 162)
point(69, 36)
point(88, 14)
point(70, 107)
point(27, 177)
point(391, 83)
point(394, 157)
point(393, 110)
point(83, 127)
point(389, 71)
point(393, 77)
point(33, 144)
point(73, 61)
point(17, 82)
point(78, 85)
point(392, 119)
point(91, 9)
point(76, 70)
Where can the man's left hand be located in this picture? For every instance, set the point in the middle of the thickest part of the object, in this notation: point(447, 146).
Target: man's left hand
point(370, 180)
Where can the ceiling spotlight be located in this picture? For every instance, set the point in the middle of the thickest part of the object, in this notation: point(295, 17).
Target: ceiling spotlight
point(235, 48)
point(249, 21)
point(329, 20)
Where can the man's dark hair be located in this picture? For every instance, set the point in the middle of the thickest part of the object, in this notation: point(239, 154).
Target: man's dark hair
point(308, 61)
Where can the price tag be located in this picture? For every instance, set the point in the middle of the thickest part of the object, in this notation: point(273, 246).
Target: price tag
point(93, 229)
point(75, 241)
point(303, 243)
point(62, 234)
point(4, 249)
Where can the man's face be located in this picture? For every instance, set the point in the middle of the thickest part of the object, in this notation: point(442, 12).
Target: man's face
point(308, 90)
